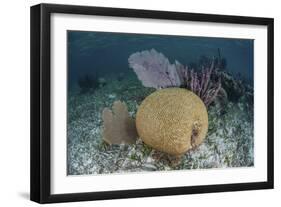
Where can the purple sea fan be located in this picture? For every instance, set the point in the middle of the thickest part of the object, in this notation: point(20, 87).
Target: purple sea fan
point(154, 69)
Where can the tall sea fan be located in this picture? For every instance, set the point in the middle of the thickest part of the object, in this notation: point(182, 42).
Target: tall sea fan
point(154, 70)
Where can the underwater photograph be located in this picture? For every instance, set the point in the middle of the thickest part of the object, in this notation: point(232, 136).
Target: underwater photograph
point(147, 102)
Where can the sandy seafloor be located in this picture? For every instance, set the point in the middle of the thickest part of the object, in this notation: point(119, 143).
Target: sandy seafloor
point(229, 142)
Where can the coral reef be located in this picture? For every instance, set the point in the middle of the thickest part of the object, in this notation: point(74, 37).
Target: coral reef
point(172, 120)
point(154, 69)
point(101, 81)
point(120, 76)
point(118, 126)
point(87, 83)
point(229, 142)
point(234, 88)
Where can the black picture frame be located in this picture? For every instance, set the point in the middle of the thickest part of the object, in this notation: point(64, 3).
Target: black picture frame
point(41, 97)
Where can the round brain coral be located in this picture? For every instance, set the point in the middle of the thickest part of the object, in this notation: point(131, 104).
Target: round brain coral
point(172, 120)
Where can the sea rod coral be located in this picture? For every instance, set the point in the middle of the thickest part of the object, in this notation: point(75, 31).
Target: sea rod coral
point(206, 83)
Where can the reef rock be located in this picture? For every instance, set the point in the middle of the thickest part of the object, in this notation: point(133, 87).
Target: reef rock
point(172, 120)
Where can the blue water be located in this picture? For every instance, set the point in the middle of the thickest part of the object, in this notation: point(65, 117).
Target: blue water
point(104, 53)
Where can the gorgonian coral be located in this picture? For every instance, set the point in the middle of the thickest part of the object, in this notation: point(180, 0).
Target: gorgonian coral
point(154, 70)
point(205, 83)
point(118, 126)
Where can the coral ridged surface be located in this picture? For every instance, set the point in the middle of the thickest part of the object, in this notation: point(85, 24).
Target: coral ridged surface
point(172, 120)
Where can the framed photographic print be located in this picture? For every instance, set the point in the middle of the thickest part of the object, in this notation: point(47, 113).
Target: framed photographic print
point(132, 103)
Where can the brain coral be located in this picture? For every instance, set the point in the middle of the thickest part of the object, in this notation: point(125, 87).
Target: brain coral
point(172, 120)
